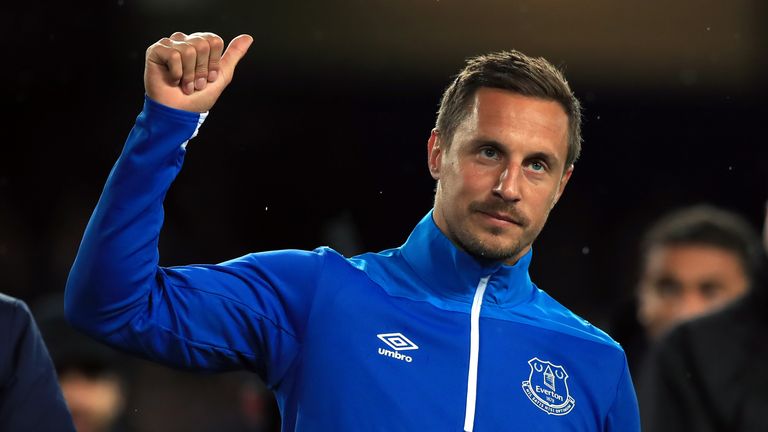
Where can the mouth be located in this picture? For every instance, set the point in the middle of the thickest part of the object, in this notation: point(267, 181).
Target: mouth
point(502, 218)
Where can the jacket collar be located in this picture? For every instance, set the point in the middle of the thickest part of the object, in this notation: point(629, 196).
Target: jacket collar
point(447, 270)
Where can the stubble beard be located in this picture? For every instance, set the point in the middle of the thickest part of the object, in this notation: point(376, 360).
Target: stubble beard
point(480, 249)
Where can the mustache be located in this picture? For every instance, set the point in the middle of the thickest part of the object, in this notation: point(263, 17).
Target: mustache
point(501, 210)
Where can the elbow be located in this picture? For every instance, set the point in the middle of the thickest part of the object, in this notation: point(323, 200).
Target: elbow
point(77, 309)
point(97, 307)
point(72, 312)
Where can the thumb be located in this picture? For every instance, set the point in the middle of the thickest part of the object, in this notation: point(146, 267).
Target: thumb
point(234, 52)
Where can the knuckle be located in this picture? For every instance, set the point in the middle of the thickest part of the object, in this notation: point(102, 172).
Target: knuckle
point(157, 46)
point(216, 42)
point(201, 45)
point(187, 50)
point(201, 34)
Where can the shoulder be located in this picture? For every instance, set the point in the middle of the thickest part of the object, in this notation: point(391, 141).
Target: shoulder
point(8, 303)
point(726, 335)
point(710, 350)
point(289, 267)
point(552, 315)
point(282, 261)
point(701, 366)
point(731, 326)
point(14, 313)
point(15, 321)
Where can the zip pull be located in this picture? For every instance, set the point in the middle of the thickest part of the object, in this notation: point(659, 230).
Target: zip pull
point(474, 350)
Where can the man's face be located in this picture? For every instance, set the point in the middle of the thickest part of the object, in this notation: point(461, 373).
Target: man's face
point(682, 282)
point(95, 402)
point(501, 175)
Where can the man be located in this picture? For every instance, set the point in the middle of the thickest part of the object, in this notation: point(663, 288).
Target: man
point(444, 333)
point(695, 260)
point(30, 397)
point(709, 374)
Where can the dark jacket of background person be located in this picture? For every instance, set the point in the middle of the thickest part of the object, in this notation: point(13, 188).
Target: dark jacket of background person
point(711, 374)
point(30, 398)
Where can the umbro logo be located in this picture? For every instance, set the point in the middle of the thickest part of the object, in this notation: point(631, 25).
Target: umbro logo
point(398, 342)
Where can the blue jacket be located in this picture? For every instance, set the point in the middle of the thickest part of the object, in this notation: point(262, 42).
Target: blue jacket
point(421, 337)
point(30, 397)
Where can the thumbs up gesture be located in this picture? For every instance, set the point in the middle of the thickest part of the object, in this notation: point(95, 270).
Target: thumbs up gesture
point(189, 72)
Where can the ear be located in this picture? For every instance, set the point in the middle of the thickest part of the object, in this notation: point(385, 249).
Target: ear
point(765, 228)
point(561, 187)
point(434, 154)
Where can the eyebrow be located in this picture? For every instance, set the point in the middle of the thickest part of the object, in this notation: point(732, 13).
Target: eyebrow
point(667, 279)
point(478, 142)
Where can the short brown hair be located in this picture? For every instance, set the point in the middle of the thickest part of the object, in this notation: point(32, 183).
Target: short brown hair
point(518, 73)
point(706, 225)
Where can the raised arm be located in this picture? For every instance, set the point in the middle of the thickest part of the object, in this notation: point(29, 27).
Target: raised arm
point(212, 317)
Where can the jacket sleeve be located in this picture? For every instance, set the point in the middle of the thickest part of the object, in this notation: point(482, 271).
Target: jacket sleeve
point(245, 313)
point(28, 383)
point(624, 414)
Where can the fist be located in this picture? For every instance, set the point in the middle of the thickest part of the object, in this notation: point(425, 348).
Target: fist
point(189, 72)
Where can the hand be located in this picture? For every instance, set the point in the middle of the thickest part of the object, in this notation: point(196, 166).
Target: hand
point(190, 72)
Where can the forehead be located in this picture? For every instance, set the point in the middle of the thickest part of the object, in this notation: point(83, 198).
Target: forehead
point(507, 116)
point(693, 261)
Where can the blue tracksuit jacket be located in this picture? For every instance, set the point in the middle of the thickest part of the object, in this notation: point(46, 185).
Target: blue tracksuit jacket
point(418, 338)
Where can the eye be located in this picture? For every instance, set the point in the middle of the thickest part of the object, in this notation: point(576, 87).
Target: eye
point(489, 152)
point(710, 290)
point(668, 287)
point(537, 166)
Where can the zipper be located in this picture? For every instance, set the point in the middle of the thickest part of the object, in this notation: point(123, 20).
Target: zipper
point(474, 350)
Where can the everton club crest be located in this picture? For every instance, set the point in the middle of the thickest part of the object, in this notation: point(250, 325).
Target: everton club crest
point(547, 387)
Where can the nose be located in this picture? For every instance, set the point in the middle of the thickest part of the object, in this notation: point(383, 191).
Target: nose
point(692, 305)
point(508, 187)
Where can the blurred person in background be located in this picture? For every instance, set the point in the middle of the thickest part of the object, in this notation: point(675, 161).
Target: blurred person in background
point(694, 261)
point(711, 374)
point(93, 377)
point(257, 408)
point(30, 398)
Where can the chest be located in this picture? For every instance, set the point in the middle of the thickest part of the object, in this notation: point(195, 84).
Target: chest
point(380, 360)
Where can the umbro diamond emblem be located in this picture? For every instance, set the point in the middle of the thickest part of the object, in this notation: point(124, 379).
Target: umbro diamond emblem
point(398, 342)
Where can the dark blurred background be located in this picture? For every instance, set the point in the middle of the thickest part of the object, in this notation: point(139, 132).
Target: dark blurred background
point(321, 138)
